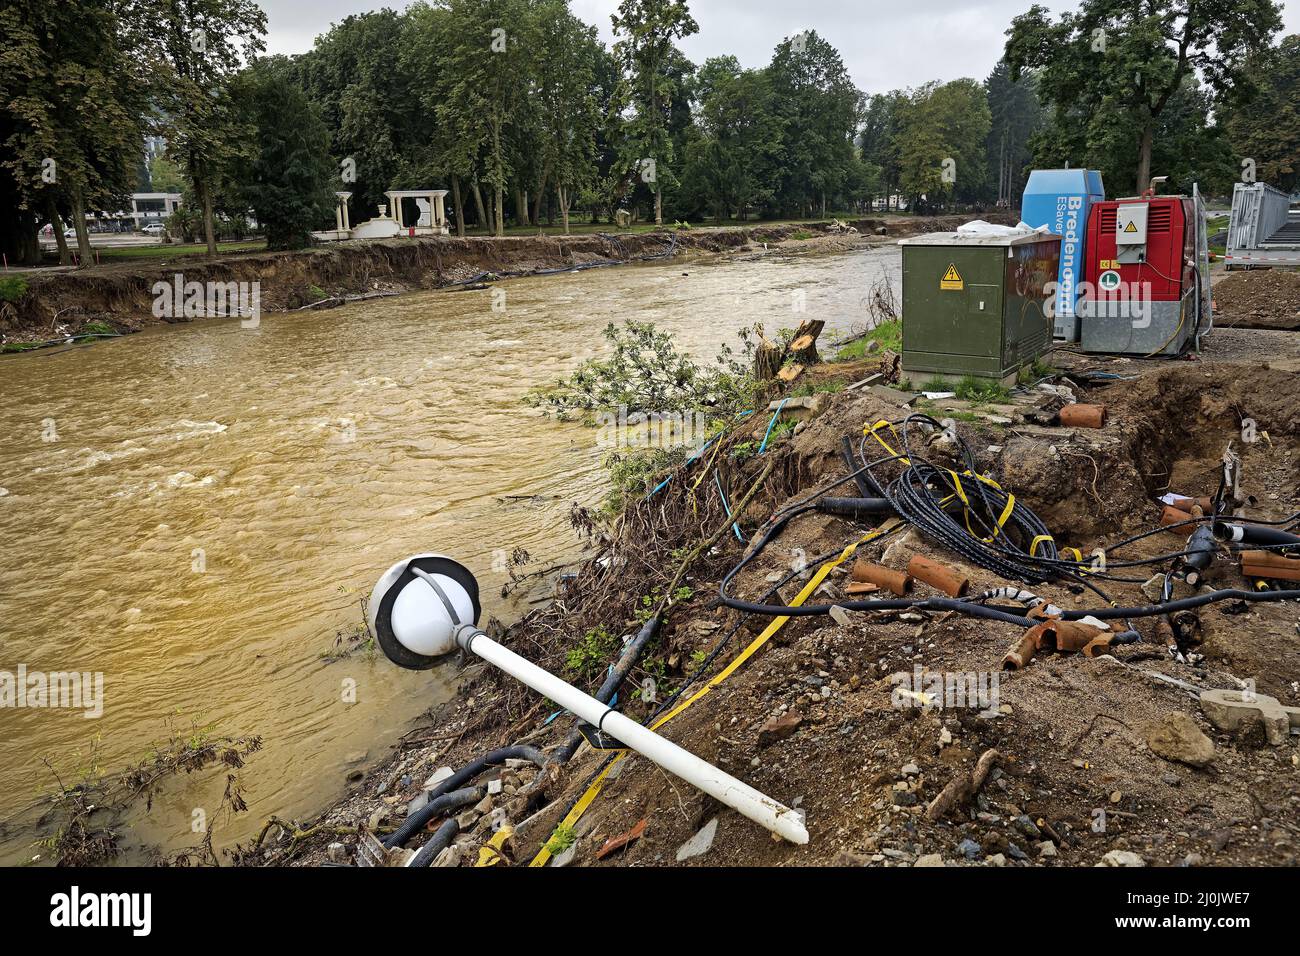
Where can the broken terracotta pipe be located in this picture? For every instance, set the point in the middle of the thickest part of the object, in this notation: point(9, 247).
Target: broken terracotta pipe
point(1206, 505)
point(1270, 566)
point(1023, 650)
point(899, 582)
point(938, 576)
point(1083, 416)
point(1171, 516)
point(1063, 637)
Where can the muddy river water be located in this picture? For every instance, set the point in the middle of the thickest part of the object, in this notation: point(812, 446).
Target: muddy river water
point(196, 511)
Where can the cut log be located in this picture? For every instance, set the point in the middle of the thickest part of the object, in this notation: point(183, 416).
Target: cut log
point(789, 373)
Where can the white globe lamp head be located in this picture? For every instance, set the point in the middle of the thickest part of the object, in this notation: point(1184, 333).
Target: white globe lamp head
point(419, 605)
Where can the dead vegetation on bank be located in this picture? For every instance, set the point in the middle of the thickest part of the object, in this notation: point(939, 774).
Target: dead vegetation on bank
point(1081, 761)
point(86, 819)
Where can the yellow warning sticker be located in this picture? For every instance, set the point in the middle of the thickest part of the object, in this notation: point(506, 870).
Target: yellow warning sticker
point(1131, 227)
point(952, 280)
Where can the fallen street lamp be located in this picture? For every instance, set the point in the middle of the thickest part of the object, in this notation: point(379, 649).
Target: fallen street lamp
point(427, 607)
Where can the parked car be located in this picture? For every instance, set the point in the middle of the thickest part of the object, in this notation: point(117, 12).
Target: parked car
point(70, 233)
point(154, 229)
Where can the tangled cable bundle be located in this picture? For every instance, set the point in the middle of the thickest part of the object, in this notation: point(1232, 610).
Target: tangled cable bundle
point(999, 534)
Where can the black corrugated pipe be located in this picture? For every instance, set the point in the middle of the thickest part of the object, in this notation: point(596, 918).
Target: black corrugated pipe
point(626, 661)
point(856, 507)
point(1185, 604)
point(1252, 534)
point(437, 843)
point(417, 820)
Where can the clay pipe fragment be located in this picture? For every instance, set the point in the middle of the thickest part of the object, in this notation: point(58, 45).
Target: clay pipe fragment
point(1206, 505)
point(898, 582)
point(1071, 637)
point(1165, 633)
point(1173, 516)
point(1024, 649)
point(938, 576)
point(1064, 637)
point(1083, 416)
point(1270, 566)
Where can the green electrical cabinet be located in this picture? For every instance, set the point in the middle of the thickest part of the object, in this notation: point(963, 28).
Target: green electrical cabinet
point(977, 305)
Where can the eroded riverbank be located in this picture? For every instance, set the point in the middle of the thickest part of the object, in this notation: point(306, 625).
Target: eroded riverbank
point(120, 296)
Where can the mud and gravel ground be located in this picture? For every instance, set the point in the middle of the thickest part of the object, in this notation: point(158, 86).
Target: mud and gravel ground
point(1076, 778)
point(1259, 299)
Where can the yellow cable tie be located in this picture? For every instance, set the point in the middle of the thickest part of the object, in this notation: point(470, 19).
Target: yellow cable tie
point(1033, 545)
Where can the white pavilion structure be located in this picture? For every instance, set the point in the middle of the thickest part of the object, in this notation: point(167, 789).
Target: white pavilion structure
point(409, 212)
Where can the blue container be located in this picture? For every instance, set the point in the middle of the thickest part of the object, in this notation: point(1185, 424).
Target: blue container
point(1061, 199)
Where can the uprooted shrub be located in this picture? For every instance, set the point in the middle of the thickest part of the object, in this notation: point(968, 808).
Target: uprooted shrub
point(646, 372)
point(646, 376)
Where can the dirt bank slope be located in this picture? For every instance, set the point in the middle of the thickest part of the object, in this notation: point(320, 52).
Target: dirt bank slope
point(813, 719)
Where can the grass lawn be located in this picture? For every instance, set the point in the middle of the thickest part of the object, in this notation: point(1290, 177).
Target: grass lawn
point(587, 228)
point(178, 249)
point(888, 334)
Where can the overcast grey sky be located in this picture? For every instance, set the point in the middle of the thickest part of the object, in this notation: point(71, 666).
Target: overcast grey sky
point(886, 44)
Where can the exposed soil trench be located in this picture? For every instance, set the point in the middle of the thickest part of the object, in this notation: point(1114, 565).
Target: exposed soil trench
point(812, 718)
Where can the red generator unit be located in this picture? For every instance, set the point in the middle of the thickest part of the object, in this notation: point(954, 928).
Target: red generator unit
point(1144, 293)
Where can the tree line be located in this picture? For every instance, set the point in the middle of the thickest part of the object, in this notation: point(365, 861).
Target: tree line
point(519, 110)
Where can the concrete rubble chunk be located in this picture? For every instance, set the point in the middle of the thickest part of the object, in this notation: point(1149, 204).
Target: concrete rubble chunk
point(1176, 737)
point(699, 844)
point(417, 804)
point(778, 728)
point(1122, 858)
point(437, 777)
point(450, 857)
point(1238, 712)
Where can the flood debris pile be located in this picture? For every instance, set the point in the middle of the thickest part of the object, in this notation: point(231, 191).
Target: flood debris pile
point(950, 630)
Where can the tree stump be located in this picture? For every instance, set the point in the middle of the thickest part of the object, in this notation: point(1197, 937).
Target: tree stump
point(767, 360)
point(803, 347)
point(787, 362)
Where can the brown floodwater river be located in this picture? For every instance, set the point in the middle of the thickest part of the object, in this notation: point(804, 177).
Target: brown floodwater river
point(196, 511)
